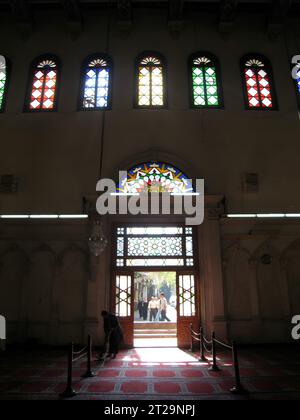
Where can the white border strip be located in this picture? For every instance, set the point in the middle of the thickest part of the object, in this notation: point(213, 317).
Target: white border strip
point(44, 216)
point(264, 216)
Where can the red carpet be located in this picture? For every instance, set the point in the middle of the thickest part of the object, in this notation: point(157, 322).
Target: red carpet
point(267, 373)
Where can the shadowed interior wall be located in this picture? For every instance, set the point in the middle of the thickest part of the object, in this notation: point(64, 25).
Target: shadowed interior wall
point(51, 289)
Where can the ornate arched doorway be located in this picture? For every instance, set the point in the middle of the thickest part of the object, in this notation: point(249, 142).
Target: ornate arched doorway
point(153, 249)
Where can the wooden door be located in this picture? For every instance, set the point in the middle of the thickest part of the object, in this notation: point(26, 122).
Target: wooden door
point(186, 307)
point(124, 304)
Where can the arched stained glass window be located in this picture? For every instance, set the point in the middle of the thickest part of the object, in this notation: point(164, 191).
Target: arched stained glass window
point(258, 82)
point(151, 81)
point(297, 80)
point(3, 81)
point(43, 91)
point(155, 177)
point(206, 88)
point(96, 84)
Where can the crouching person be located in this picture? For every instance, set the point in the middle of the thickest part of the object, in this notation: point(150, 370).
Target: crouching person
point(113, 334)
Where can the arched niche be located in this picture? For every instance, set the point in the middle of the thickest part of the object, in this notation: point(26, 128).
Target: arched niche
point(291, 259)
point(71, 284)
point(38, 291)
point(14, 263)
point(269, 282)
point(238, 279)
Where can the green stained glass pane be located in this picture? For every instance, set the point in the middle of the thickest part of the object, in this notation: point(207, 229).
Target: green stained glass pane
point(211, 86)
point(205, 86)
point(199, 101)
point(2, 85)
point(198, 86)
point(197, 71)
point(213, 101)
point(212, 90)
point(210, 81)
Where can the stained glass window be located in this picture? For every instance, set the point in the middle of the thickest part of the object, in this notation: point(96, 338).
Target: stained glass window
point(150, 82)
point(44, 86)
point(96, 84)
point(298, 78)
point(155, 177)
point(205, 83)
point(170, 246)
point(3, 81)
point(258, 81)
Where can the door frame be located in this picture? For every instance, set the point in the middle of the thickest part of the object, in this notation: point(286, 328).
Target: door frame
point(128, 322)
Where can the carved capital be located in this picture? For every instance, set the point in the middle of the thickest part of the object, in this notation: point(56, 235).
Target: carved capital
point(227, 15)
point(283, 263)
point(124, 16)
point(23, 15)
point(253, 263)
point(278, 13)
point(73, 16)
point(175, 20)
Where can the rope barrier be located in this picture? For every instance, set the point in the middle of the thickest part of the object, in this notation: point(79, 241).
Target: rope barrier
point(223, 344)
point(86, 351)
point(80, 352)
point(204, 343)
point(207, 341)
point(206, 349)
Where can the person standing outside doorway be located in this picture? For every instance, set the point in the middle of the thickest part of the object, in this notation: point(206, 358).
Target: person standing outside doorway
point(163, 308)
point(152, 309)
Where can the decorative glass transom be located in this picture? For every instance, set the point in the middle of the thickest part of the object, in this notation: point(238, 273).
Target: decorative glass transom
point(43, 92)
point(155, 177)
point(150, 82)
point(96, 84)
point(205, 83)
point(3, 79)
point(258, 85)
point(154, 247)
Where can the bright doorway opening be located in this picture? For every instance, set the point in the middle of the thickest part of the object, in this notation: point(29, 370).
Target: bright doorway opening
point(155, 309)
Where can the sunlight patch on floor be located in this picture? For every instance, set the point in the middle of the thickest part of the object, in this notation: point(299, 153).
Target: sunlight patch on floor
point(167, 356)
point(155, 342)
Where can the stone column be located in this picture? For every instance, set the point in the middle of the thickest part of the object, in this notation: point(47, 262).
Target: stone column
point(286, 306)
point(212, 274)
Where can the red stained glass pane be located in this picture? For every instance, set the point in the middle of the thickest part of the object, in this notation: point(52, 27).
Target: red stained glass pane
point(258, 87)
point(44, 87)
point(265, 89)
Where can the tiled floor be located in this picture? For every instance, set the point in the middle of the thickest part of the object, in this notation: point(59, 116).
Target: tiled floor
point(153, 373)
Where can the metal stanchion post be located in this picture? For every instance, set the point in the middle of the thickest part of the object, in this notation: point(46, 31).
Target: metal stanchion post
point(69, 392)
point(238, 388)
point(89, 373)
point(214, 367)
point(202, 350)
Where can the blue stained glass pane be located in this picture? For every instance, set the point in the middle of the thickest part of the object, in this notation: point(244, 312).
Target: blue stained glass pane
point(102, 90)
point(90, 89)
point(96, 88)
